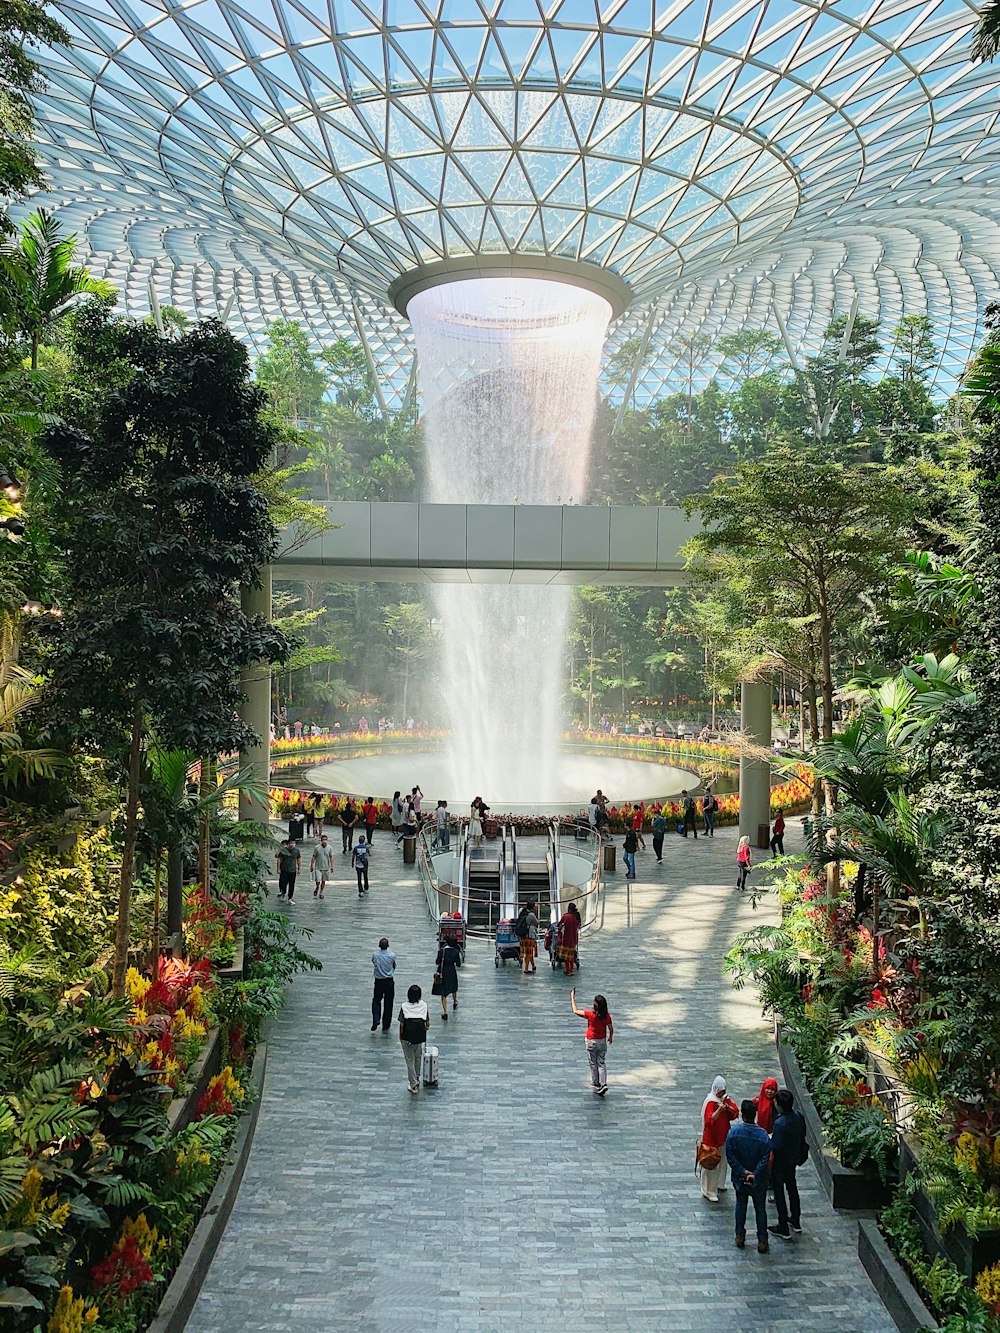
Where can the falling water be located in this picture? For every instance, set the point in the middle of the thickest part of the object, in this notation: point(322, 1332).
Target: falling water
point(508, 376)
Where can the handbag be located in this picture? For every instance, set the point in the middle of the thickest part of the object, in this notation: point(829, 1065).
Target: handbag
point(437, 986)
point(707, 1157)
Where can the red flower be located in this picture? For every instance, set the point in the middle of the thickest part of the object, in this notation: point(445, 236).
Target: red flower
point(125, 1268)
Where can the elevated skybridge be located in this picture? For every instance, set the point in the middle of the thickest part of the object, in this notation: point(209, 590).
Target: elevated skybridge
point(475, 543)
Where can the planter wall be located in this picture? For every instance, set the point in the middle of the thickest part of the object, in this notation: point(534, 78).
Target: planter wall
point(180, 1296)
point(969, 1254)
point(182, 1110)
point(234, 972)
point(896, 1292)
point(846, 1188)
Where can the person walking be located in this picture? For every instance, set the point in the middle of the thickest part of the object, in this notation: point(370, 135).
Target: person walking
point(628, 853)
point(448, 961)
point(370, 813)
point(690, 818)
point(323, 808)
point(569, 938)
point(287, 861)
point(709, 805)
point(659, 830)
point(417, 798)
point(320, 866)
point(789, 1151)
point(744, 861)
point(637, 818)
point(717, 1113)
point(748, 1149)
point(414, 1022)
point(778, 835)
point(360, 856)
point(309, 806)
point(526, 930)
point(348, 819)
point(384, 966)
point(599, 1036)
point(396, 816)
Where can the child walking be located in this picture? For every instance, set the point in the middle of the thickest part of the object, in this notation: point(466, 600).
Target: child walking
point(600, 1035)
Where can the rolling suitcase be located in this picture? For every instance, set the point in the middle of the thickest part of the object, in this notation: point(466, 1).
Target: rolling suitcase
point(431, 1055)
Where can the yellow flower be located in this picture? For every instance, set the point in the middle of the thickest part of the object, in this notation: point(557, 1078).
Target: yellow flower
point(146, 1237)
point(967, 1153)
point(67, 1317)
point(196, 1001)
point(988, 1286)
point(136, 985)
point(91, 1316)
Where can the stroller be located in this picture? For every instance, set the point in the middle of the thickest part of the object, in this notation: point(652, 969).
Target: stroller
point(508, 945)
point(552, 948)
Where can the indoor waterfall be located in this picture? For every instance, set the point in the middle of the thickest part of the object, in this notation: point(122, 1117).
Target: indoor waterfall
point(508, 375)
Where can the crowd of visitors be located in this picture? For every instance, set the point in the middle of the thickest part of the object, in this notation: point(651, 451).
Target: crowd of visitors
point(763, 1143)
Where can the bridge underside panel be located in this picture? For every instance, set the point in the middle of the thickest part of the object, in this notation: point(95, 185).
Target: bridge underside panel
point(445, 543)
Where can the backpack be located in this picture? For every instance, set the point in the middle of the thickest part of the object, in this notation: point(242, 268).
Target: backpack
point(521, 924)
point(414, 1031)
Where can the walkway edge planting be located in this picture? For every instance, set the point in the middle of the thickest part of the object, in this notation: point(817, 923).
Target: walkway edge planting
point(896, 1291)
point(845, 1187)
point(185, 1285)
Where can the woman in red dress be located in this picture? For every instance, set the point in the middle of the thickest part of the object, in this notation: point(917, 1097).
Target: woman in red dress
point(717, 1113)
point(569, 938)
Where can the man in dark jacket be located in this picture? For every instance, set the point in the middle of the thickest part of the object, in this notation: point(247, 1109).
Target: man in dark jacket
point(788, 1144)
point(748, 1149)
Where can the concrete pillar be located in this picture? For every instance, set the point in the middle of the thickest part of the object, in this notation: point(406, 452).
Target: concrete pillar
point(256, 710)
point(755, 774)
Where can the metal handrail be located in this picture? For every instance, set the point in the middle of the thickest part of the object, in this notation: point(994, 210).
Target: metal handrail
point(425, 864)
point(552, 861)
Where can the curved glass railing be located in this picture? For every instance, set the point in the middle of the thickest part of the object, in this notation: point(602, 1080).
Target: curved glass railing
point(574, 867)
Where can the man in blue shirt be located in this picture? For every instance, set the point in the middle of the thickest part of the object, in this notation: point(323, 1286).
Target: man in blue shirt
point(384, 965)
point(748, 1149)
point(788, 1144)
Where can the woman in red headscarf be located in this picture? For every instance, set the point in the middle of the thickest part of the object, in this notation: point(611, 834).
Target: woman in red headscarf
point(765, 1103)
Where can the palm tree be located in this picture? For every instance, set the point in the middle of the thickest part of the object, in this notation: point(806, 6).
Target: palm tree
point(19, 693)
point(987, 40)
point(42, 280)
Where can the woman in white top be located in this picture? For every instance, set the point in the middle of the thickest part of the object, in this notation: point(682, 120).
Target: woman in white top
point(414, 1020)
point(397, 815)
point(476, 821)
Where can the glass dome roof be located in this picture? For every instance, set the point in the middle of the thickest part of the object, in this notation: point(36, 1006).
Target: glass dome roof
point(292, 158)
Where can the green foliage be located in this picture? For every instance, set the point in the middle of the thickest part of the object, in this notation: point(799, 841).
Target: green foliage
point(24, 25)
point(40, 280)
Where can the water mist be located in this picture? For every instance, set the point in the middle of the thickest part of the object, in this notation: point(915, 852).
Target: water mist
point(508, 374)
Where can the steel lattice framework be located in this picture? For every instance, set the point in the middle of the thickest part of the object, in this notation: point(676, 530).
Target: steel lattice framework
point(291, 158)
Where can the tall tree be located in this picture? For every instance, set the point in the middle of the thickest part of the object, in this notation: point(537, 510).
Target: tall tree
point(161, 526)
point(24, 25)
point(819, 533)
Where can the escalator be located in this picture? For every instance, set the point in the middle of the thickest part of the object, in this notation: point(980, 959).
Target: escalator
point(485, 875)
point(534, 871)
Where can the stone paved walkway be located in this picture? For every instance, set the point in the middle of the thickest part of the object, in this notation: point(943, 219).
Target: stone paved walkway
point(511, 1197)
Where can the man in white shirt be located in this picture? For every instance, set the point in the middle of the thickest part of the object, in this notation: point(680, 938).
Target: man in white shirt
point(319, 866)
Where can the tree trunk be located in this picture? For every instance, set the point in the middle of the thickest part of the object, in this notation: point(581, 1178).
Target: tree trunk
point(205, 825)
point(127, 876)
point(155, 950)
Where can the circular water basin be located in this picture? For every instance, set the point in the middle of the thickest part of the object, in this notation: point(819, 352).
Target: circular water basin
point(579, 776)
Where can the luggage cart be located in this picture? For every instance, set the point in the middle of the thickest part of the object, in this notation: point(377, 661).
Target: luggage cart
point(508, 945)
point(452, 930)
